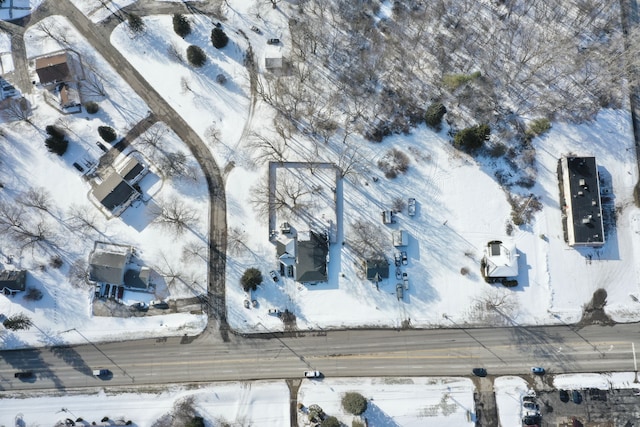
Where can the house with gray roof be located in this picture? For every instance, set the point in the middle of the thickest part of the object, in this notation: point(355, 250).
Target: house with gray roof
point(12, 281)
point(107, 263)
point(312, 250)
point(116, 191)
point(376, 269)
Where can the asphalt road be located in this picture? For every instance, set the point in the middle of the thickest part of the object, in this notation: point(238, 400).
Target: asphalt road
point(560, 349)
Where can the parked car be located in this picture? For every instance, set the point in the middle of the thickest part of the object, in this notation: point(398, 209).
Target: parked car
point(405, 260)
point(405, 280)
point(576, 397)
point(531, 420)
point(537, 370)
point(274, 275)
point(23, 375)
point(255, 29)
point(77, 166)
point(531, 406)
point(399, 291)
point(114, 291)
point(412, 206)
point(397, 257)
point(273, 41)
point(274, 312)
point(140, 306)
point(289, 270)
point(101, 146)
point(479, 372)
point(162, 305)
point(564, 396)
point(100, 372)
point(120, 292)
point(247, 303)
point(398, 274)
point(312, 374)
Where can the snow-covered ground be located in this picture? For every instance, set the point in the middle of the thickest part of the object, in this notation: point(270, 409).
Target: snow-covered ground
point(442, 402)
point(446, 236)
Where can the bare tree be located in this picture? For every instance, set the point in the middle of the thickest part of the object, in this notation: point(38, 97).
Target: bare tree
point(174, 52)
point(213, 134)
point(18, 110)
point(173, 215)
point(93, 86)
point(194, 250)
point(268, 148)
point(348, 161)
point(259, 198)
point(176, 165)
point(79, 273)
point(496, 307)
point(153, 139)
point(366, 238)
point(54, 30)
point(236, 241)
point(36, 197)
point(82, 219)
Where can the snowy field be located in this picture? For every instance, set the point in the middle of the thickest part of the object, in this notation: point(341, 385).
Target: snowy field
point(433, 402)
point(446, 236)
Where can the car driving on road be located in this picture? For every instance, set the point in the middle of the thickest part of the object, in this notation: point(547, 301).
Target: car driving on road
point(312, 374)
point(537, 370)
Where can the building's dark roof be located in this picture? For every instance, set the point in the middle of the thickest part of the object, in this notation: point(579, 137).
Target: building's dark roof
point(311, 259)
point(136, 279)
point(53, 69)
point(13, 280)
point(378, 266)
point(114, 192)
point(584, 197)
point(134, 172)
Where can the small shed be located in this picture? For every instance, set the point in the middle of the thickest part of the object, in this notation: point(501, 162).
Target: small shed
point(387, 217)
point(12, 281)
point(400, 238)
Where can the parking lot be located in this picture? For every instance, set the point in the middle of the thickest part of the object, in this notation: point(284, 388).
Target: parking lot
point(596, 408)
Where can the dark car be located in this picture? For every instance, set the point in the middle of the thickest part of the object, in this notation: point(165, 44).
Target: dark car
point(101, 146)
point(140, 306)
point(23, 375)
point(576, 397)
point(531, 420)
point(405, 261)
point(564, 396)
point(537, 370)
point(479, 372)
point(77, 166)
point(161, 305)
point(274, 275)
point(273, 41)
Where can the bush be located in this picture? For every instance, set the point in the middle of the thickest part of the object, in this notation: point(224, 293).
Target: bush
point(472, 138)
point(498, 150)
point(434, 114)
point(195, 422)
point(17, 322)
point(454, 81)
point(56, 146)
point(354, 403)
point(33, 294)
point(393, 163)
point(135, 23)
point(56, 261)
point(107, 133)
point(538, 127)
point(196, 56)
point(92, 107)
point(219, 38)
point(181, 25)
point(251, 278)
point(55, 132)
point(357, 423)
point(330, 422)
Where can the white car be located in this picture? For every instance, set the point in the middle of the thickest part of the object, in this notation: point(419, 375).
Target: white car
point(312, 374)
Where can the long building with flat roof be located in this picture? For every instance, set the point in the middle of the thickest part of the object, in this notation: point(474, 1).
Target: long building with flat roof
point(582, 205)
